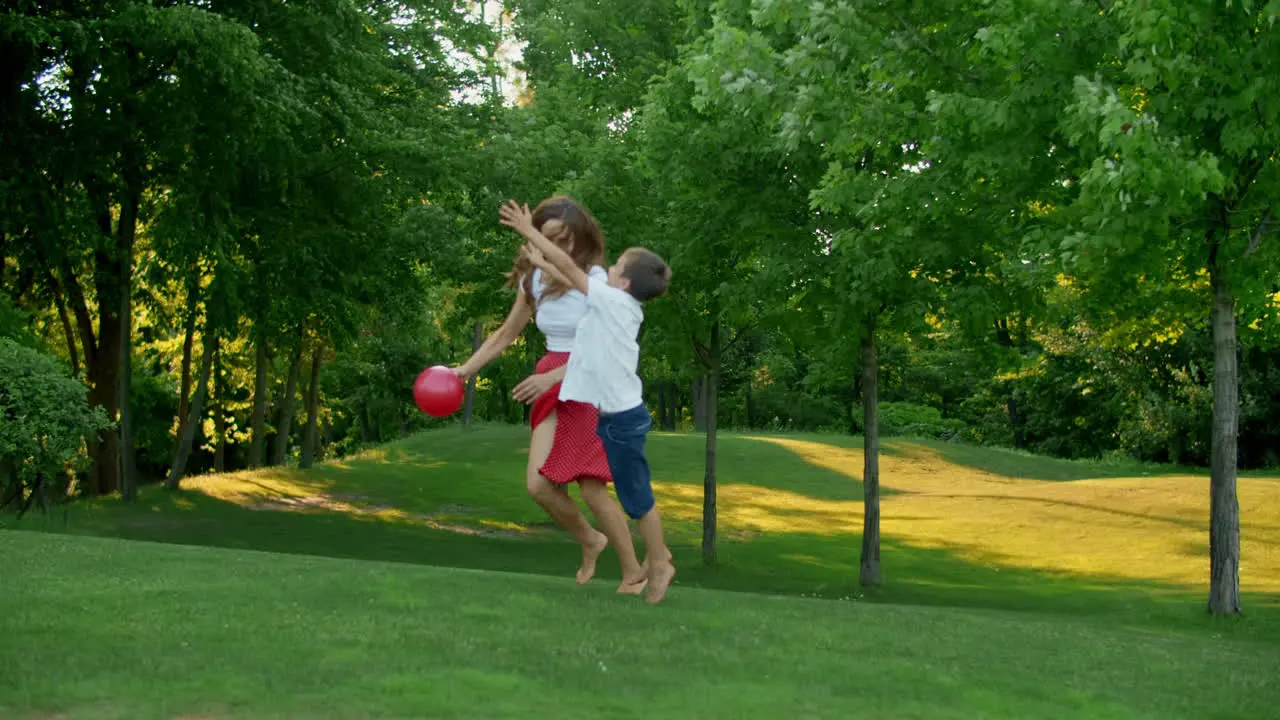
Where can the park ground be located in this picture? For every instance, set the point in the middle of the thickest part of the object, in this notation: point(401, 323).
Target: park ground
point(417, 580)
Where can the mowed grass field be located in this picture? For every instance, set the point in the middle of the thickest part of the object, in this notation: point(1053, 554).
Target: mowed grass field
point(1015, 586)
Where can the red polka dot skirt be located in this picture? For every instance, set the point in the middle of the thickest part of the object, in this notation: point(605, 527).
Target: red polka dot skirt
point(576, 451)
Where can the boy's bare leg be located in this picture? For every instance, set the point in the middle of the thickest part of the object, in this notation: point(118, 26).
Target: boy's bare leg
point(657, 556)
point(614, 524)
point(556, 501)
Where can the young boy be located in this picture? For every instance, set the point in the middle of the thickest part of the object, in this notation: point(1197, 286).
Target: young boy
point(602, 372)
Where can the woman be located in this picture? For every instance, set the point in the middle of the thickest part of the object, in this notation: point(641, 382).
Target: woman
point(563, 445)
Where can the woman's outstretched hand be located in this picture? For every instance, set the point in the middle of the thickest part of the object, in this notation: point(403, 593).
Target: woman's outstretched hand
point(531, 387)
point(517, 217)
point(463, 372)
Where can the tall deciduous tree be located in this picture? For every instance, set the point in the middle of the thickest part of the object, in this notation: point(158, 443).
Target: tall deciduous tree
point(1182, 187)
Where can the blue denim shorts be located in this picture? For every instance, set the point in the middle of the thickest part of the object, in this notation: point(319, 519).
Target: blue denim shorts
point(623, 436)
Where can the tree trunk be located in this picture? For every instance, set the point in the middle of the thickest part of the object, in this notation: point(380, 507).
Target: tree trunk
point(188, 349)
point(219, 412)
point(311, 437)
point(288, 405)
point(662, 406)
point(1015, 423)
point(504, 401)
point(114, 261)
point(64, 317)
point(110, 274)
point(853, 404)
point(188, 436)
point(711, 395)
point(258, 445)
point(128, 463)
point(1224, 507)
point(468, 405)
point(84, 322)
point(699, 391)
point(869, 573)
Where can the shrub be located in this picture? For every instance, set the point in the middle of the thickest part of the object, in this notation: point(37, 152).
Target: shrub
point(911, 420)
point(45, 419)
point(779, 409)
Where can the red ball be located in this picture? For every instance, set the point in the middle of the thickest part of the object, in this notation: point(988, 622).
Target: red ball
point(438, 391)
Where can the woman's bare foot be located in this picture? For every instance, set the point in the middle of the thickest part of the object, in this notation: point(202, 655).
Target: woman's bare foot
point(590, 553)
point(660, 578)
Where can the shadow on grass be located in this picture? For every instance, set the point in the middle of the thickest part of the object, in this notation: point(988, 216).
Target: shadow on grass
point(785, 564)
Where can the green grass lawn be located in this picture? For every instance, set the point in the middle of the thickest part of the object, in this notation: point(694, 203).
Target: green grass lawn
point(1015, 586)
point(104, 628)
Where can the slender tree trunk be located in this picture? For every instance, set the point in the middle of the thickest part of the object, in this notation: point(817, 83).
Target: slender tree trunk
point(310, 437)
point(504, 400)
point(126, 235)
point(468, 405)
point(79, 308)
point(711, 390)
point(662, 406)
point(128, 463)
point(700, 403)
point(187, 439)
point(1015, 422)
point(869, 573)
point(105, 373)
point(1224, 507)
point(219, 411)
point(288, 405)
point(258, 445)
point(188, 350)
point(64, 318)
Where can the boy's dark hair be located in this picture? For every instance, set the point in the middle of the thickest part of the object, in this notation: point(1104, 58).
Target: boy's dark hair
point(648, 274)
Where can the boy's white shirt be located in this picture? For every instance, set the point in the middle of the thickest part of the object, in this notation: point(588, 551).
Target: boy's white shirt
point(602, 365)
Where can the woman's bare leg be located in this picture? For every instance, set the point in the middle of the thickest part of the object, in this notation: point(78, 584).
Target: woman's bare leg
point(556, 501)
point(614, 524)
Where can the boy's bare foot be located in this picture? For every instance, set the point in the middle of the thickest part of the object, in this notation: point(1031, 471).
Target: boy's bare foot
point(590, 553)
point(634, 585)
point(660, 578)
point(645, 565)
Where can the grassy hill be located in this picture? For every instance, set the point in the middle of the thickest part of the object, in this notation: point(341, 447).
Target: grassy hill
point(102, 629)
point(1015, 586)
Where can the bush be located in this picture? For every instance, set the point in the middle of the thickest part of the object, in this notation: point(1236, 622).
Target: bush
point(911, 420)
point(155, 405)
point(779, 409)
point(44, 420)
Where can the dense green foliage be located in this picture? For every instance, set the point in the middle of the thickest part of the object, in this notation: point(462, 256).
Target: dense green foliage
point(44, 421)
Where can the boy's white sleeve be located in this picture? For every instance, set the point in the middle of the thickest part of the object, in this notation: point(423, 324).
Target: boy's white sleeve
point(606, 299)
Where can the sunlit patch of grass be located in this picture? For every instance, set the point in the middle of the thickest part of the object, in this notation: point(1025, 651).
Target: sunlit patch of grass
point(1141, 528)
point(255, 486)
point(296, 491)
point(752, 510)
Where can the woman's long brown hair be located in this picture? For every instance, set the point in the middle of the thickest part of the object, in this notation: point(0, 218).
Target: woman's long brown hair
point(579, 234)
